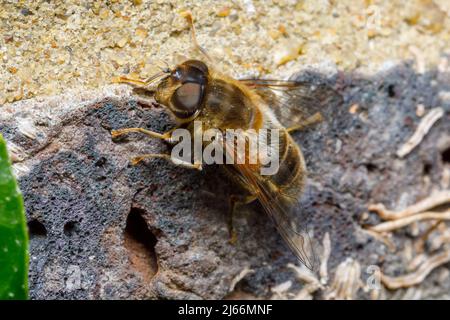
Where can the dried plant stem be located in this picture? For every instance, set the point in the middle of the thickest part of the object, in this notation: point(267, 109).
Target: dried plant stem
point(323, 271)
point(417, 276)
point(346, 282)
point(415, 263)
point(422, 129)
point(430, 202)
point(399, 223)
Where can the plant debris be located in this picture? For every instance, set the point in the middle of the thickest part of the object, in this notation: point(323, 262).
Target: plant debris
point(419, 275)
point(422, 129)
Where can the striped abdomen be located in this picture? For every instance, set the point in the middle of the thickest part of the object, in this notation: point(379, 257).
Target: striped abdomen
point(289, 181)
point(230, 106)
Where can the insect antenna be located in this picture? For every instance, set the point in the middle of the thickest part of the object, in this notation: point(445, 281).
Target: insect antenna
point(188, 16)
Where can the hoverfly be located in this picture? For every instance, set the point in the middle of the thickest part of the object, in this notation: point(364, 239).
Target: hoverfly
point(195, 90)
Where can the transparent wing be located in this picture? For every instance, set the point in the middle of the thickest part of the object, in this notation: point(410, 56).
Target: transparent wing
point(294, 101)
point(282, 210)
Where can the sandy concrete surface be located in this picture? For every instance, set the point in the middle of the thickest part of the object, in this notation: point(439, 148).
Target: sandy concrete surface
point(47, 47)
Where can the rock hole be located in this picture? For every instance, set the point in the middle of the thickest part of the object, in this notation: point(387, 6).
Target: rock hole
point(36, 229)
point(427, 169)
point(446, 155)
point(371, 167)
point(100, 162)
point(140, 243)
point(391, 91)
point(70, 228)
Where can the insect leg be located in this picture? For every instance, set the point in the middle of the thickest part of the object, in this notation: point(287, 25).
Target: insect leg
point(188, 16)
point(235, 201)
point(138, 159)
point(163, 136)
point(130, 81)
point(314, 119)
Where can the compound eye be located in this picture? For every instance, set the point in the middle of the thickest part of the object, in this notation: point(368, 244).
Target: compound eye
point(187, 98)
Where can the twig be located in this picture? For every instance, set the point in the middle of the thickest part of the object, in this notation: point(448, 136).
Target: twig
point(430, 202)
point(416, 262)
point(399, 223)
point(418, 276)
point(346, 282)
point(422, 129)
point(323, 271)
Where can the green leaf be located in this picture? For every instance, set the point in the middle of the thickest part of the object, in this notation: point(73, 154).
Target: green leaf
point(13, 233)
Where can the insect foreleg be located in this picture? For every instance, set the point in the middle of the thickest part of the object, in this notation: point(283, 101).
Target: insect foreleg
point(138, 159)
point(133, 82)
point(167, 136)
point(142, 83)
